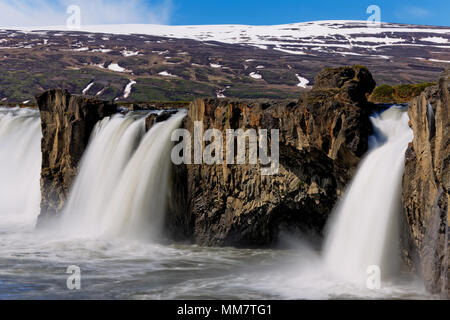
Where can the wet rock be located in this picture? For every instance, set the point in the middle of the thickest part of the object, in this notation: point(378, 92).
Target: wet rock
point(426, 186)
point(67, 122)
point(154, 118)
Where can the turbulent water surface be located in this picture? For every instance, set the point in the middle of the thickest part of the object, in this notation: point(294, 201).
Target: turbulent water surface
point(121, 252)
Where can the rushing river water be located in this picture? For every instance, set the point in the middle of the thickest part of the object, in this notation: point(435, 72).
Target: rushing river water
point(33, 266)
point(107, 242)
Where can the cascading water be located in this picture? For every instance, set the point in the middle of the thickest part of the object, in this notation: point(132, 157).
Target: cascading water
point(121, 190)
point(122, 184)
point(20, 165)
point(112, 144)
point(139, 202)
point(364, 227)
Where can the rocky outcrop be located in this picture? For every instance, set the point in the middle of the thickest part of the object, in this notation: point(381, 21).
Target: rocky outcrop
point(154, 118)
point(67, 122)
point(166, 105)
point(426, 186)
point(321, 140)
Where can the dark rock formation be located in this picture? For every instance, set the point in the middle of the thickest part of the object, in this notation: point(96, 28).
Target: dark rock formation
point(155, 105)
point(153, 118)
point(322, 138)
point(67, 123)
point(356, 83)
point(426, 186)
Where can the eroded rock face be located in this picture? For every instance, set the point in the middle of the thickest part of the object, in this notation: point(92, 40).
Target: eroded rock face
point(67, 122)
point(426, 186)
point(322, 138)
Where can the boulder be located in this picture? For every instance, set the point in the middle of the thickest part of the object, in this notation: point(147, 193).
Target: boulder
point(357, 82)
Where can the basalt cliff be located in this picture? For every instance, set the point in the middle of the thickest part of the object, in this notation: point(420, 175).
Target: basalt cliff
point(67, 122)
point(321, 140)
point(426, 186)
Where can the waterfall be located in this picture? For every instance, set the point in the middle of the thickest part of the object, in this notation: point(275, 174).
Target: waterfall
point(112, 143)
point(364, 229)
point(122, 185)
point(20, 167)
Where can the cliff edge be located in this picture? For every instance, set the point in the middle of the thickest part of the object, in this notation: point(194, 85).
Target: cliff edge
point(67, 122)
point(426, 186)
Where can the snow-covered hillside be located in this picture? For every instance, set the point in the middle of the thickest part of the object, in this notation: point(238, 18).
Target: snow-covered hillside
point(296, 38)
point(180, 63)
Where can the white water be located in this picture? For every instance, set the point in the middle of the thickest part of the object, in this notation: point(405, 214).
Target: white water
point(365, 228)
point(119, 195)
point(122, 184)
point(20, 166)
point(112, 144)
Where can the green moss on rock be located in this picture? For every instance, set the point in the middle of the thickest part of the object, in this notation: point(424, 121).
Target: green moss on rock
point(398, 94)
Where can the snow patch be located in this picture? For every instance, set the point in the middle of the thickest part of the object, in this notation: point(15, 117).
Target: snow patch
point(349, 53)
point(221, 94)
point(303, 81)
point(80, 49)
point(127, 53)
point(255, 75)
point(436, 60)
point(166, 74)
point(381, 57)
point(435, 39)
point(101, 50)
point(100, 65)
point(161, 52)
point(260, 46)
point(115, 67)
point(289, 51)
point(127, 91)
point(85, 90)
point(385, 40)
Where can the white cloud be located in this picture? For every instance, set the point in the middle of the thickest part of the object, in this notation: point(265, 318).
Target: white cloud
point(27, 13)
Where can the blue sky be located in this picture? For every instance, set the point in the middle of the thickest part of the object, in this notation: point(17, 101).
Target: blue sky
point(432, 12)
point(189, 12)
